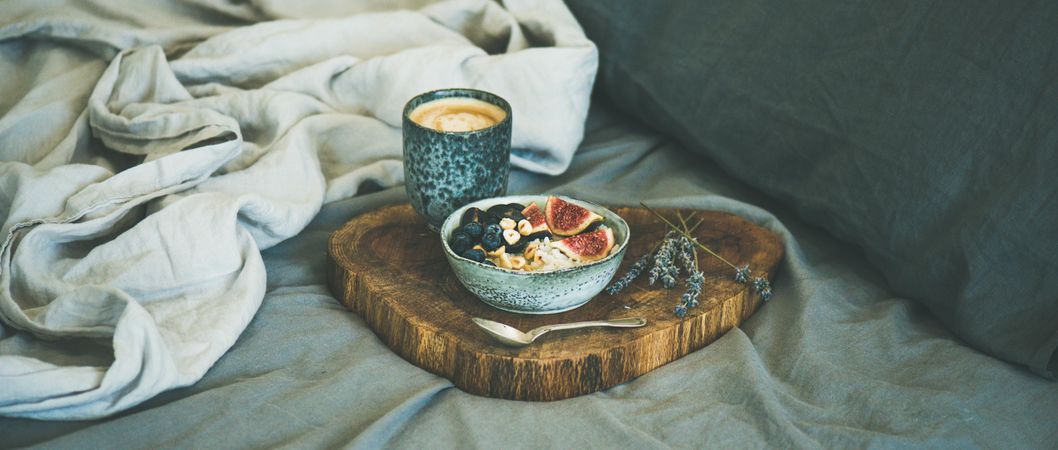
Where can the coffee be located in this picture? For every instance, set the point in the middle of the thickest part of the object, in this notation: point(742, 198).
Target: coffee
point(457, 114)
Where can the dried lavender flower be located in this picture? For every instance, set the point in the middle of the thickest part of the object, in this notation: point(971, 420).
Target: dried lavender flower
point(668, 281)
point(742, 274)
point(690, 298)
point(763, 287)
point(655, 273)
point(686, 255)
point(765, 294)
point(695, 280)
point(681, 245)
point(632, 274)
point(663, 259)
point(680, 310)
point(672, 271)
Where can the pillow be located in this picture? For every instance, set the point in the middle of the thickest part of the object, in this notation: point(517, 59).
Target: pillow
point(925, 132)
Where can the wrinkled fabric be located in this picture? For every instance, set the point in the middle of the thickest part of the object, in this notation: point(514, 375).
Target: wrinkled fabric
point(151, 153)
point(834, 360)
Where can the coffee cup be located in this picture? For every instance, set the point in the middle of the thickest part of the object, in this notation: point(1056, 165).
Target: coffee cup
point(457, 149)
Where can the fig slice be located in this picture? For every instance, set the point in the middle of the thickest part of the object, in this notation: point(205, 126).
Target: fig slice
point(567, 219)
point(586, 247)
point(536, 219)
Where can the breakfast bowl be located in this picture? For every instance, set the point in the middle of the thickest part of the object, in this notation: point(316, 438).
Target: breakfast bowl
point(540, 291)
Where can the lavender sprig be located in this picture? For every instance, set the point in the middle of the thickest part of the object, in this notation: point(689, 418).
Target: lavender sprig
point(694, 290)
point(742, 274)
point(632, 274)
point(689, 261)
point(663, 262)
point(677, 253)
point(686, 256)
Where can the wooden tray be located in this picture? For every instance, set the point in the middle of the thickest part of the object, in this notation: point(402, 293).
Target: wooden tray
point(391, 270)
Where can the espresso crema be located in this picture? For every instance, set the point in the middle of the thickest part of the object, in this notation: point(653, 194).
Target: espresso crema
point(457, 114)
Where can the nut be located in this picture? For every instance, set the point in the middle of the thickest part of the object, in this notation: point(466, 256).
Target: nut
point(511, 237)
point(530, 250)
point(517, 262)
point(524, 227)
point(507, 223)
point(504, 261)
point(502, 250)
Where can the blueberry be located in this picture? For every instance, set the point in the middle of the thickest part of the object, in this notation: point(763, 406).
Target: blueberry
point(492, 238)
point(474, 230)
point(491, 241)
point(460, 242)
point(474, 255)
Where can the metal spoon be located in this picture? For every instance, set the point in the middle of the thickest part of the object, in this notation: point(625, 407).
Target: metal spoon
point(513, 337)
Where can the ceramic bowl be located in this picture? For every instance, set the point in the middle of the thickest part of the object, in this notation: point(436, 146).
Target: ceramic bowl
point(538, 292)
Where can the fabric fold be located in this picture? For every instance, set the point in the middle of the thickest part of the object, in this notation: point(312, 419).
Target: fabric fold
point(131, 253)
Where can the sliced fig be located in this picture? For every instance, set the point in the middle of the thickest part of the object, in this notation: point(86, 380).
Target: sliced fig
point(590, 246)
point(567, 219)
point(536, 219)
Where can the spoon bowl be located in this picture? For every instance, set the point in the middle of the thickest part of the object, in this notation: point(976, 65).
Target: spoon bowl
point(514, 337)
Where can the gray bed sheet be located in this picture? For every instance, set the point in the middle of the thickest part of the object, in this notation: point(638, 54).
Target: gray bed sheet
point(834, 360)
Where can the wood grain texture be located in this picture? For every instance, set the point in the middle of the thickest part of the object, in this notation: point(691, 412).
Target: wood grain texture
point(390, 269)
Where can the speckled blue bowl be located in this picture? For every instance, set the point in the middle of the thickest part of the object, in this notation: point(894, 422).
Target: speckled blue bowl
point(544, 292)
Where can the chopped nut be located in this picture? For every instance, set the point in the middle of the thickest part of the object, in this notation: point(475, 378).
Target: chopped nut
point(530, 250)
point(511, 236)
point(502, 250)
point(517, 262)
point(507, 223)
point(524, 227)
point(504, 261)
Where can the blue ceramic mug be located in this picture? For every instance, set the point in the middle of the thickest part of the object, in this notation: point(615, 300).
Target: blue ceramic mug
point(456, 150)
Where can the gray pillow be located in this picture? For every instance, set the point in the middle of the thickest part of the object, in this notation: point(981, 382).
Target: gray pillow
point(925, 132)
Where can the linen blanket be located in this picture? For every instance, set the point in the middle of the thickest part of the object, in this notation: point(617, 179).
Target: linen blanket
point(834, 360)
point(150, 153)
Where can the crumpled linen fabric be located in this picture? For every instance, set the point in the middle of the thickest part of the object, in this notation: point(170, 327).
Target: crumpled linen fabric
point(149, 154)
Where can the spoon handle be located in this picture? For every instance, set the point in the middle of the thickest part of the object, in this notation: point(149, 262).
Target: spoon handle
point(630, 322)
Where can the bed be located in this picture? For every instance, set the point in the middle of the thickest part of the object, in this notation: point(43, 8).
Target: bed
point(841, 356)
